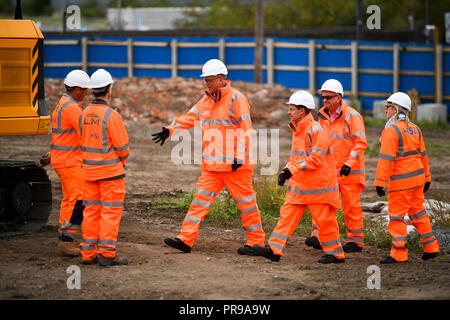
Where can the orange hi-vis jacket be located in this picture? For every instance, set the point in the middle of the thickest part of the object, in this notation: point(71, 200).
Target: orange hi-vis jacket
point(104, 141)
point(311, 163)
point(403, 160)
point(65, 148)
point(226, 129)
point(348, 139)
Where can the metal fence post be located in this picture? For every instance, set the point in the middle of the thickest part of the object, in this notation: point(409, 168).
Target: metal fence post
point(270, 61)
point(130, 57)
point(396, 66)
point(312, 67)
point(84, 55)
point(222, 50)
point(354, 55)
point(438, 74)
point(174, 49)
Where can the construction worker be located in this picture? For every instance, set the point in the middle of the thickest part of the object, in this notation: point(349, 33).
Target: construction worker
point(65, 158)
point(224, 116)
point(345, 127)
point(403, 168)
point(313, 184)
point(104, 145)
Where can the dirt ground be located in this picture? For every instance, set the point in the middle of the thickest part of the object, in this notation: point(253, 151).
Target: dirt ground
point(30, 267)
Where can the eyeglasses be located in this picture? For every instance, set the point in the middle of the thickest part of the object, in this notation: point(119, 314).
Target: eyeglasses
point(210, 80)
point(328, 97)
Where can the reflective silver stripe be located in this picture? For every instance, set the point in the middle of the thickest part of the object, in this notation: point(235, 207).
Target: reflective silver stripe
point(357, 171)
point(276, 245)
point(105, 128)
point(201, 203)
point(68, 225)
point(426, 235)
point(193, 219)
point(339, 136)
point(359, 134)
point(319, 151)
point(246, 199)
point(408, 175)
point(400, 138)
point(206, 193)
point(195, 111)
point(302, 164)
point(61, 110)
point(111, 204)
point(252, 209)
point(122, 148)
point(106, 248)
point(97, 150)
point(253, 227)
point(218, 158)
point(418, 215)
point(395, 218)
point(300, 153)
point(88, 247)
point(80, 125)
point(101, 162)
point(331, 243)
point(279, 236)
point(225, 122)
point(407, 153)
point(66, 233)
point(429, 241)
point(398, 248)
point(355, 239)
point(124, 157)
point(354, 231)
point(239, 120)
point(352, 113)
point(333, 252)
point(64, 148)
point(313, 191)
point(111, 242)
point(399, 238)
point(89, 241)
point(386, 157)
point(315, 128)
point(91, 202)
point(177, 127)
point(424, 153)
point(354, 154)
point(60, 131)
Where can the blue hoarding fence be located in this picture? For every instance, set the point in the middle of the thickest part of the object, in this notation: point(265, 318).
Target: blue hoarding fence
point(369, 71)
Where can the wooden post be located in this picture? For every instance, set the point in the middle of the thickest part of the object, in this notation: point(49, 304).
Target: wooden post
point(437, 67)
point(312, 67)
point(84, 54)
point(222, 50)
point(354, 55)
point(259, 31)
point(396, 66)
point(130, 57)
point(173, 46)
point(270, 61)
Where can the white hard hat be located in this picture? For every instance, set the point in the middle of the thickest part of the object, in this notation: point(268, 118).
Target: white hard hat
point(77, 78)
point(401, 99)
point(100, 79)
point(333, 85)
point(213, 67)
point(302, 98)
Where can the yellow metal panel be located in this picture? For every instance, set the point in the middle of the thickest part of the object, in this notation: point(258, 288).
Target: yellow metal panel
point(44, 125)
point(19, 126)
point(19, 29)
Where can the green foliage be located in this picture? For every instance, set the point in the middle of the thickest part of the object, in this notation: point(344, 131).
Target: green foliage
point(6, 8)
point(37, 8)
point(90, 9)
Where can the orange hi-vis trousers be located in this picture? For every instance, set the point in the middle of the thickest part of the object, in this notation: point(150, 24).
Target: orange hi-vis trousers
point(209, 185)
point(353, 215)
point(104, 207)
point(409, 202)
point(324, 216)
point(71, 212)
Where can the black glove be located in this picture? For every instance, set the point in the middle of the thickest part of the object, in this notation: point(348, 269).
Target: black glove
point(426, 186)
point(235, 165)
point(161, 136)
point(380, 191)
point(283, 176)
point(345, 170)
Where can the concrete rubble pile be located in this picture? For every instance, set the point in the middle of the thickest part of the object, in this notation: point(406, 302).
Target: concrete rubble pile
point(158, 101)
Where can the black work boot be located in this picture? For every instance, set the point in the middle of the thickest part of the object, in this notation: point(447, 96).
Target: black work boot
point(177, 244)
point(247, 250)
point(266, 252)
point(89, 262)
point(351, 247)
point(429, 255)
point(108, 262)
point(389, 260)
point(328, 258)
point(313, 242)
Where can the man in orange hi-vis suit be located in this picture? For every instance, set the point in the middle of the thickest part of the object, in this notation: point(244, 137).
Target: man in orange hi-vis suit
point(313, 184)
point(224, 116)
point(345, 127)
point(104, 145)
point(403, 168)
point(65, 158)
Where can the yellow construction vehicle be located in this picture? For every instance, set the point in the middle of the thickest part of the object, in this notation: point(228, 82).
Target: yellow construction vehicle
point(25, 189)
